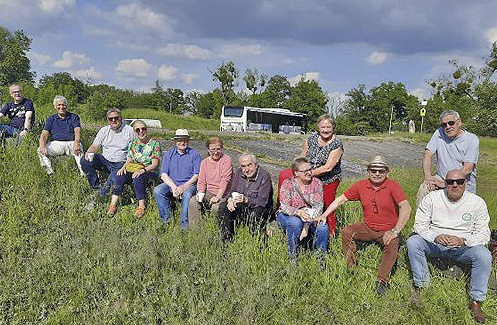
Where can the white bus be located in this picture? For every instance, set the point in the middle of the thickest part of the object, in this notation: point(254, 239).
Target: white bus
point(250, 119)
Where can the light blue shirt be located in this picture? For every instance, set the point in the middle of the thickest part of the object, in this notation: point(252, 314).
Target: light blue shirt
point(181, 167)
point(452, 153)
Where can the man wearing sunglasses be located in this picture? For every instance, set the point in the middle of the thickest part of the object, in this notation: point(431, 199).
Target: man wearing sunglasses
point(452, 223)
point(114, 140)
point(385, 212)
point(455, 148)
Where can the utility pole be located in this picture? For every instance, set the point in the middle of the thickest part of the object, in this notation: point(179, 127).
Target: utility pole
point(390, 126)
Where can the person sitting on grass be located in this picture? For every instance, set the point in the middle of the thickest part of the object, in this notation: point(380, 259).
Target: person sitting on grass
point(114, 140)
point(140, 167)
point(386, 211)
point(250, 199)
point(452, 223)
point(21, 113)
point(65, 130)
point(179, 171)
point(213, 181)
point(299, 195)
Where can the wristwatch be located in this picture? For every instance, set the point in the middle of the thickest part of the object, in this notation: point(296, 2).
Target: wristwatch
point(395, 231)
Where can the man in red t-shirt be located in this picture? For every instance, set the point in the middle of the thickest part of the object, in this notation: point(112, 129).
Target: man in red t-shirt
point(386, 211)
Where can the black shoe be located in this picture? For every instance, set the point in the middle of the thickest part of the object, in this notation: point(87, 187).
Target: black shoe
point(416, 296)
point(381, 287)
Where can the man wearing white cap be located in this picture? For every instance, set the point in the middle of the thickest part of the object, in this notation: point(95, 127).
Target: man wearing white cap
point(385, 210)
point(179, 172)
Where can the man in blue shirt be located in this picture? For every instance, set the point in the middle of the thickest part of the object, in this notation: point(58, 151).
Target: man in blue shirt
point(20, 112)
point(179, 171)
point(65, 130)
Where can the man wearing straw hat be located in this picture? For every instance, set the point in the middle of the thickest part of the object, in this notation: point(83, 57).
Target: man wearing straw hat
point(386, 211)
point(179, 172)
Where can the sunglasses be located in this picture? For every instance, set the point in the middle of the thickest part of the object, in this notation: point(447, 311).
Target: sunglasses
point(113, 118)
point(444, 125)
point(376, 171)
point(143, 129)
point(459, 181)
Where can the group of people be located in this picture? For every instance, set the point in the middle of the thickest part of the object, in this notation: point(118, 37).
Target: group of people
point(451, 221)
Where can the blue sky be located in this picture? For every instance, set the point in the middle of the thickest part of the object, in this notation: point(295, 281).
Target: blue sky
point(341, 44)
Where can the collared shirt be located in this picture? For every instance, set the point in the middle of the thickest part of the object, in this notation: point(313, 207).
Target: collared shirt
point(114, 143)
point(215, 174)
point(467, 218)
point(181, 167)
point(452, 153)
point(62, 129)
point(17, 112)
point(258, 190)
point(379, 205)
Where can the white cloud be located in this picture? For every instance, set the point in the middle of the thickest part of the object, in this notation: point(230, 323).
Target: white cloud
point(55, 6)
point(376, 58)
point(69, 59)
point(307, 76)
point(167, 72)
point(190, 51)
point(232, 50)
point(135, 67)
point(38, 58)
point(88, 74)
point(491, 35)
point(189, 78)
point(140, 15)
point(420, 92)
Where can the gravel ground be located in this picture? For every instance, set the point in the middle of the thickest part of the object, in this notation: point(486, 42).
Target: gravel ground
point(277, 154)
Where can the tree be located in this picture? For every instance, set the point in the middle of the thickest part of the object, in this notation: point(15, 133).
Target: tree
point(276, 93)
point(226, 74)
point(254, 80)
point(14, 64)
point(62, 83)
point(192, 99)
point(309, 98)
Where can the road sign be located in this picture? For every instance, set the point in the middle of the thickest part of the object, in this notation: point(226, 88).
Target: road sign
point(422, 112)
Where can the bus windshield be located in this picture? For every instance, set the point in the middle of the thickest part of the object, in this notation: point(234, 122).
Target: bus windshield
point(230, 111)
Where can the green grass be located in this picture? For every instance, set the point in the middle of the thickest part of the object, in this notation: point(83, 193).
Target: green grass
point(63, 264)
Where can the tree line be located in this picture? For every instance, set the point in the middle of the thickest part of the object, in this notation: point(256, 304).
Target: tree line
point(472, 93)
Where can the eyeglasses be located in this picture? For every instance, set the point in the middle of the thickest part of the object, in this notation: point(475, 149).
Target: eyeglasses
point(143, 129)
point(459, 181)
point(113, 118)
point(376, 171)
point(444, 125)
point(305, 170)
point(215, 149)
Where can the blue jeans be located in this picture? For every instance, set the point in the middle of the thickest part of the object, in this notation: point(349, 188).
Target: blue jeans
point(163, 194)
point(293, 227)
point(478, 257)
point(99, 162)
point(8, 131)
point(139, 183)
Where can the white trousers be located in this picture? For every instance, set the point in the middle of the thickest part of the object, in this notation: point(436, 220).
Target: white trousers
point(59, 148)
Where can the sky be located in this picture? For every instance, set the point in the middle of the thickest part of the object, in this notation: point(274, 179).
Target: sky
point(340, 44)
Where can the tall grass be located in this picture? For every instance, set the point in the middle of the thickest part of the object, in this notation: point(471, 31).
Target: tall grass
point(61, 263)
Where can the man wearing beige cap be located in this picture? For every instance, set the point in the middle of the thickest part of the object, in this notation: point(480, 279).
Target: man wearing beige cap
point(179, 172)
point(386, 211)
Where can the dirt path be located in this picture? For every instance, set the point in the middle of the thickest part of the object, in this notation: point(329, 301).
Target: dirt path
point(275, 155)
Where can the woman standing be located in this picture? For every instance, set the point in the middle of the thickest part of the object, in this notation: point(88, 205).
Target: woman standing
point(324, 151)
point(140, 166)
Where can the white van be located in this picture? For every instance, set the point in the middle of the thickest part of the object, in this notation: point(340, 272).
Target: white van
point(150, 123)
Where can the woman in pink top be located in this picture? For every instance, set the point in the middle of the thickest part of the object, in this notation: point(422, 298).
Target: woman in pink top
point(213, 180)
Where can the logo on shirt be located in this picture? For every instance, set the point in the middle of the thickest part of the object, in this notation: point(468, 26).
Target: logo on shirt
point(466, 216)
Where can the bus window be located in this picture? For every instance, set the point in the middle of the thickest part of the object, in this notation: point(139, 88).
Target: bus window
point(233, 111)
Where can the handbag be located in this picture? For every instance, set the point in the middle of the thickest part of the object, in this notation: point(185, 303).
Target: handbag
point(133, 167)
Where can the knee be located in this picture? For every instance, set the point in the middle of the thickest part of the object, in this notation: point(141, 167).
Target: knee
point(414, 242)
point(482, 255)
point(159, 190)
point(347, 232)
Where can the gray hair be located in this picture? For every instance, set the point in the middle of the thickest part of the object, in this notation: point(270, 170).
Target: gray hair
point(449, 112)
point(325, 117)
point(248, 155)
point(297, 162)
point(14, 85)
point(59, 99)
point(112, 110)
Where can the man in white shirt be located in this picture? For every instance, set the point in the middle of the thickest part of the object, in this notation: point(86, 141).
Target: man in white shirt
point(453, 223)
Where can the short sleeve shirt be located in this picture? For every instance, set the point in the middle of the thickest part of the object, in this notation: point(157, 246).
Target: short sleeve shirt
point(452, 153)
point(379, 205)
point(144, 153)
point(181, 167)
point(17, 112)
point(62, 129)
point(114, 143)
point(318, 156)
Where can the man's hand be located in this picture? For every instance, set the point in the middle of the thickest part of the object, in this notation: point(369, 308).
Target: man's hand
point(304, 214)
point(434, 183)
point(43, 150)
point(231, 205)
point(388, 236)
point(448, 240)
point(23, 133)
point(121, 171)
point(178, 190)
point(214, 199)
point(76, 148)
